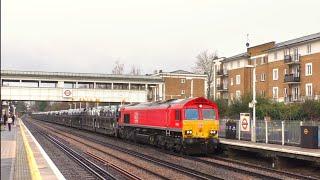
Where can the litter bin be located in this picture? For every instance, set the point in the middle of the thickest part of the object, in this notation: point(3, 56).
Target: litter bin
point(309, 137)
point(231, 130)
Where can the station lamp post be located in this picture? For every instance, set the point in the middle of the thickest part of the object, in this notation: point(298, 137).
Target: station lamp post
point(253, 129)
point(215, 62)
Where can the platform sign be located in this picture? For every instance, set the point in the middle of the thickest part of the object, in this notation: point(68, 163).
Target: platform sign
point(245, 122)
point(67, 93)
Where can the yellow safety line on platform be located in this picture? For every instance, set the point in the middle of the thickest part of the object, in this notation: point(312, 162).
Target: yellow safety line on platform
point(35, 174)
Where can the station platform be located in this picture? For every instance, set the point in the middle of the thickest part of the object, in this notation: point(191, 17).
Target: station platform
point(22, 157)
point(274, 149)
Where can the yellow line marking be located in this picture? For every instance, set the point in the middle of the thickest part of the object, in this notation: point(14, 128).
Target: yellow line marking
point(35, 174)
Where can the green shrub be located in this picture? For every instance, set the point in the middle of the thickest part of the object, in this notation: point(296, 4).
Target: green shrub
point(308, 110)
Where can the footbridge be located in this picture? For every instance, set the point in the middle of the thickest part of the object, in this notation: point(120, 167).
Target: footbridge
point(88, 87)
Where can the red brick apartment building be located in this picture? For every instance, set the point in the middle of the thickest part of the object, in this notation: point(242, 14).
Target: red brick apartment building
point(285, 72)
point(182, 84)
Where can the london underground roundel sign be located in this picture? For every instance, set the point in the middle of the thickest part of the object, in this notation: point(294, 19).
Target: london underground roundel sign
point(244, 121)
point(244, 124)
point(67, 93)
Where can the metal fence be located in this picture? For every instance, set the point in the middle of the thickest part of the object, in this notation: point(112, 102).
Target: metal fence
point(273, 132)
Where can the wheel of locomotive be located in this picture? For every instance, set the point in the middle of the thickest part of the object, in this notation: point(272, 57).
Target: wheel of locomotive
point(158, 141)
point(178, 147)
point(169, 144)
point(152, 140)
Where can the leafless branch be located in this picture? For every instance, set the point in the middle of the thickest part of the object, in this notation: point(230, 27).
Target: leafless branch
point(205, 65)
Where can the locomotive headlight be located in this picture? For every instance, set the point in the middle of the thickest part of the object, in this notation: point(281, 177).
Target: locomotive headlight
point(213, 132)
point(188, 132)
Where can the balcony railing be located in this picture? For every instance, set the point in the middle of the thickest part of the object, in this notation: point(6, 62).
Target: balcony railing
point(291, 78)
point(220, 87)
point(290, 59)
point(222, 72)
point(291, 98)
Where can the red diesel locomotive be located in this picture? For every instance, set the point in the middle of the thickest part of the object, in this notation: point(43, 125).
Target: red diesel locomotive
point(189, 125)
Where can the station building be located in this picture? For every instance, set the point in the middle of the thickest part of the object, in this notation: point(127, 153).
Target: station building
point(285, 72)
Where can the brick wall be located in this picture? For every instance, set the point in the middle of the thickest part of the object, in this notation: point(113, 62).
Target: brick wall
point(174, 87)
point(314, 78)
point(276, 83)
point(257, 50)
point(245, 81)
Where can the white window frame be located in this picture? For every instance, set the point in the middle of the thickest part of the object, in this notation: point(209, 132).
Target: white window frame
point(183, 81)
point(217, 67)
point(275, 96)
point(218, 81)
point(218, 95)
point(308, 48)
point(307, 69)
point(308, 93)
point(275, 77)
point(296, 93)
point(265, 59)
point(238, 94)
point(285, 92)
point(286, 52)
point(231, 81)
point(238, 79)
point(183, 91)
point(263, 77)
point(225, 84)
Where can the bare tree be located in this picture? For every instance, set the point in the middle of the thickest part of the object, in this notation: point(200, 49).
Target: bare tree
point(205, 65)
point(118, 68)
point(135, 70)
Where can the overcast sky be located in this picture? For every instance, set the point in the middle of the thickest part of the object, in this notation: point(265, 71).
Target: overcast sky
point(90, 35)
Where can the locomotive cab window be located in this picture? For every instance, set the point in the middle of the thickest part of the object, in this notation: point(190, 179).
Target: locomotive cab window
point(208, 114)
point(191, 114)
point(126, 118)
point(178, 115)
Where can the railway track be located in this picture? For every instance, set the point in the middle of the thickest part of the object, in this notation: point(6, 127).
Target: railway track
point(128, 174)
point(257, 171)
point(266, 169)
point(89, 165)
point(247, 168)
point(180, 169)
point(236, 166)
point(84, 162)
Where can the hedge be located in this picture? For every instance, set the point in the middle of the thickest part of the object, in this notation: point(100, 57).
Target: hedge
point(307, 110)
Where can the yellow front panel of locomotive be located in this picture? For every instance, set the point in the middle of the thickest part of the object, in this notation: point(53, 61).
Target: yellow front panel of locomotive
point(200, 128)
